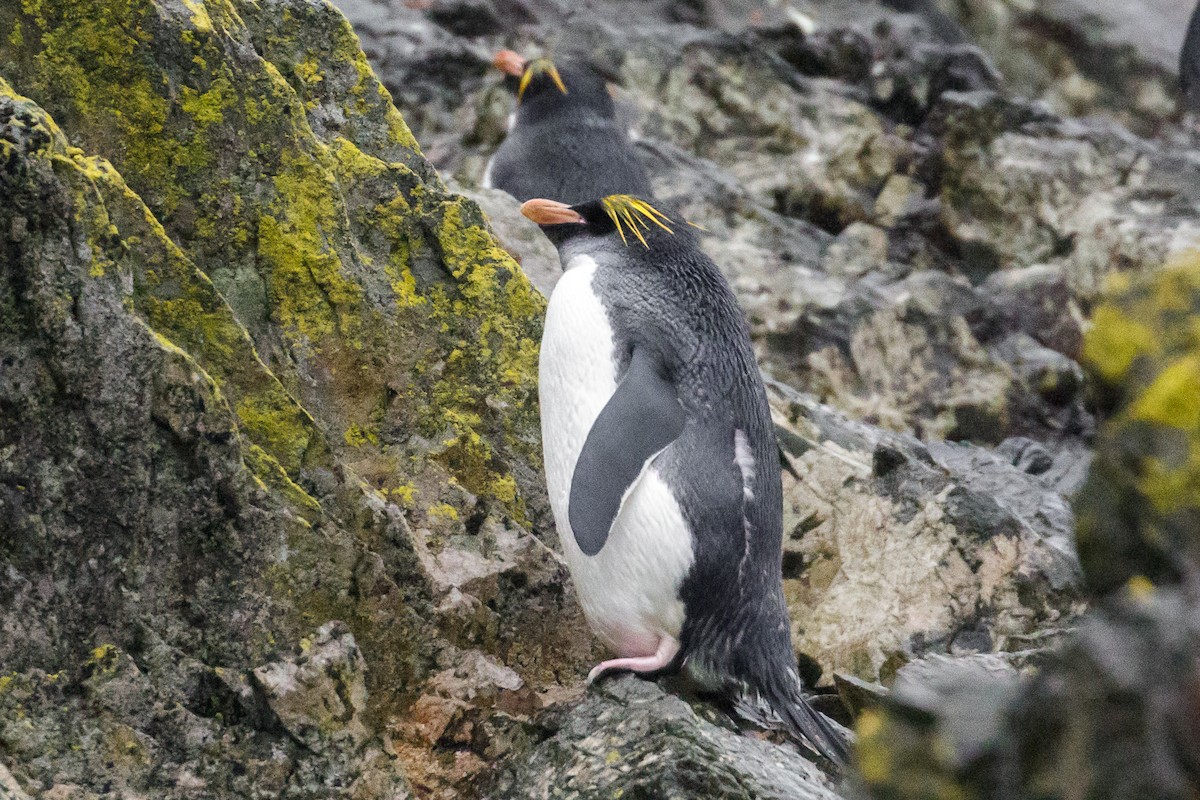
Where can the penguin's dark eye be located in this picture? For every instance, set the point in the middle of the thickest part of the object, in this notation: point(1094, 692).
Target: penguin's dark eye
point(600, 223)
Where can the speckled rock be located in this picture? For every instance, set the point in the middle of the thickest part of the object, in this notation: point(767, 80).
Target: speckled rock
point(168, 726)
point(958, 550)
point(630, 739)
point(1085, 56)
point(1020, 188)
point(1081, 57)
point(9, 786)
point(318, 695)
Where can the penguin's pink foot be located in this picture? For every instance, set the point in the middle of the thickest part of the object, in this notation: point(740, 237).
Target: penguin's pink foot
point(667, 650)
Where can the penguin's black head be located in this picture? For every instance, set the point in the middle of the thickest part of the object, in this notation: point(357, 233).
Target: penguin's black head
point(619, 222)
point(544, 88)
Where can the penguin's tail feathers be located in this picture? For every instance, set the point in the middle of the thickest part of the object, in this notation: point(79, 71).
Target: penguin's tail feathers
point(804, 723)
point(823, 734)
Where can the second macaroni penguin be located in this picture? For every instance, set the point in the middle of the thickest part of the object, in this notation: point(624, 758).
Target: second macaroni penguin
point(565, 141)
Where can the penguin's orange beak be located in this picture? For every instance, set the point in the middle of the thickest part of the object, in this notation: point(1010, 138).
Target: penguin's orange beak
point(510, 63)
point(550, 212)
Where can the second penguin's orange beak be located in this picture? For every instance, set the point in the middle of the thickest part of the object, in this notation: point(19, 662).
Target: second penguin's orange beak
point(510, 63)
point(550, 212)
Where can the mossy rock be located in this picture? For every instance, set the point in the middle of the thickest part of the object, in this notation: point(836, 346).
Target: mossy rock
point(261, 141)
point(1139, 513)
point(1111, 716)
point(244, 329)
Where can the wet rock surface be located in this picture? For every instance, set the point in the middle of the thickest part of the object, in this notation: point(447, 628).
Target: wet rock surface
point(271, 516)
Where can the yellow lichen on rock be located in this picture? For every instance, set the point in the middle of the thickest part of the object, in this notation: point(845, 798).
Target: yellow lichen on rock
point(313, 237)
point(1140, 510)
point(255, 343)
point(178, 303)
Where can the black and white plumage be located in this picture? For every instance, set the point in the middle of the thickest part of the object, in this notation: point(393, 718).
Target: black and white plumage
point(661, 459)
point(564, 140)
point(1189, 64)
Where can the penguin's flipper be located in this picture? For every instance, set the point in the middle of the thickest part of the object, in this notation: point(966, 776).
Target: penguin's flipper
point(641, 418)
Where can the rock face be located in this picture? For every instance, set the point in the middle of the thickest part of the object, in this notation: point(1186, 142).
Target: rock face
point(1081, 57)
point(259, 371)
point(1086, 57)
point(958, 549)
point(271, 515)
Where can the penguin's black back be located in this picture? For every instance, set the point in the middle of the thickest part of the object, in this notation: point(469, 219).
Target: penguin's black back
point(1189, 64)
point(568, 147)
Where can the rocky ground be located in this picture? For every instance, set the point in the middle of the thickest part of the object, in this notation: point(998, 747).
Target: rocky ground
point(271, 518)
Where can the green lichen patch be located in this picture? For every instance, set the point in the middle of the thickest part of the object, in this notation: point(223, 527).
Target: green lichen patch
point(1116, 342)
point(321, 343)
point(319, 55)
point(1140, 511)
point(311, 295)
point(292, 185)
point(95, 56)
point(178, 301)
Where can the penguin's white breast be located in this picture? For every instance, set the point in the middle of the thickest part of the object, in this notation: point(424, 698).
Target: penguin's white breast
point(629, 590)
point(577, 376)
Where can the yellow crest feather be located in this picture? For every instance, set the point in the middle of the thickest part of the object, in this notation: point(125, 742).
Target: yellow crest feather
point(627, 211)
point(537, 67)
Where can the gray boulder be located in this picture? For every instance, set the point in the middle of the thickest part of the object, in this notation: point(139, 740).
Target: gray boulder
point(628, 738)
